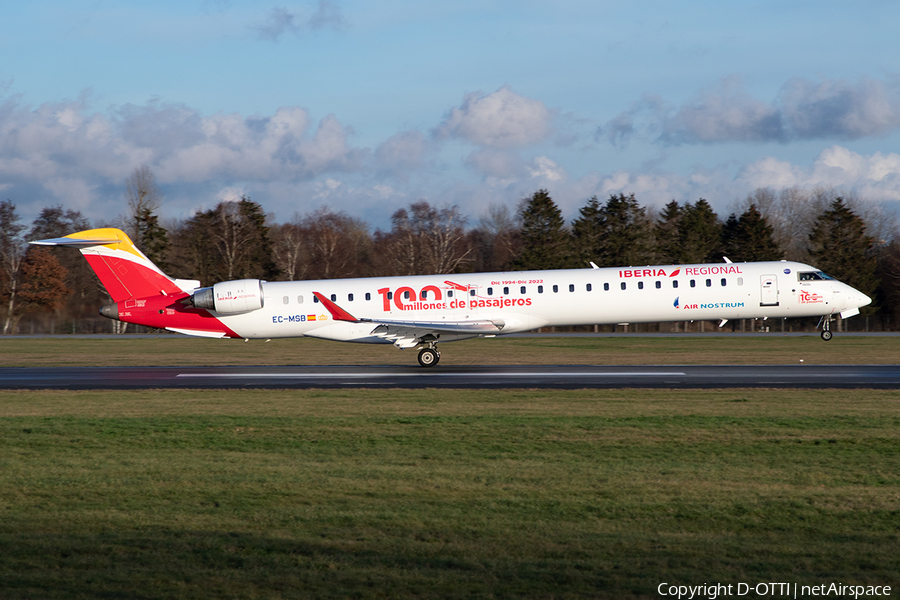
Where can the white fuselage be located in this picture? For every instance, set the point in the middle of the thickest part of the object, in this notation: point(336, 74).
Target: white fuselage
point(526, 300)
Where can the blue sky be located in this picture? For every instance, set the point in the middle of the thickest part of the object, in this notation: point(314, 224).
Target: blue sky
point(368, 106)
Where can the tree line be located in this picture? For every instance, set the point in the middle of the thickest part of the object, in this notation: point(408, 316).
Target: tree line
point(237, 240)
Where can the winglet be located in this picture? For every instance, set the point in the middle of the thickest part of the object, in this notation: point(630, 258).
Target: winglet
point(337, 313)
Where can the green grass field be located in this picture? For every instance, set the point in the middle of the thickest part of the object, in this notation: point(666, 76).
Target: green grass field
point(177, 350)
point(443, 493)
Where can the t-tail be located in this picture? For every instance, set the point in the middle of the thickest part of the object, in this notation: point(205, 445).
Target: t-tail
point(140, 291)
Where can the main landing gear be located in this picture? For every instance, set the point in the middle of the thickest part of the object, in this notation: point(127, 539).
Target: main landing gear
point(826, 328)
point(429, 356)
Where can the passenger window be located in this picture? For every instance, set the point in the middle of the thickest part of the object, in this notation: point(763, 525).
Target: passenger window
point(588, 287)
point(368, 295)
point(334, 297)
point(449, 293)
point(674, 283)
point(709, 283)
point(424, 294)
point(315, 299)
point(555, 289)
point(693, 283)
point(350, 297)
point(623, 285)
point(723, 282)
point(406, 295)
point(571, 287)
point(390, 295)
point(540, 289)
point(299, 299)
point(287, 300)
point(605, 287)
point(522, 290)
point(740, 281)
point(659, 285)
point(471, 292)
point(490, 291)
point(640, 285)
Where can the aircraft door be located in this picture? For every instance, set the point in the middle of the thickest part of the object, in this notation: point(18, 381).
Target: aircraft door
point(768, 290)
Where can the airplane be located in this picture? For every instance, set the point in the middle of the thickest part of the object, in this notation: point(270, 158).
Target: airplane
point(424, 310)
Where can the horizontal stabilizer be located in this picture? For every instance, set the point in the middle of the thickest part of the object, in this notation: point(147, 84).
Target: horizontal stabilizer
point(75, 242)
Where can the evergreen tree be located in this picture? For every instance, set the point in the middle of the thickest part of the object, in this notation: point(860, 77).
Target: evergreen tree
point(545, 242)
point(261, 256)
point(229, 242)
point(666, 234)
point(587, 232)
point(749, 238)
point(838, 245)
point(615, 234)
point(699, 234)
point(625, 233)
point(154, 239)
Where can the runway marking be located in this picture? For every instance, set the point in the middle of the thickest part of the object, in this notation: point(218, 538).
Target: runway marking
point(385, 375)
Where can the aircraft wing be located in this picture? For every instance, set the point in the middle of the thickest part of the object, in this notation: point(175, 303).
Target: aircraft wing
point(408, 334)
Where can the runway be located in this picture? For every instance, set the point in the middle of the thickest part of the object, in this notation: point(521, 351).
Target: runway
point(532, 376)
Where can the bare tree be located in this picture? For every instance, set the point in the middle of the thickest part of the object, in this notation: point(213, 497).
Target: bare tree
point(232, 234)
point(337, 243)
point(12, 253)
point(501, 243)
point(425, 240)
point(143, 197)
point(289, 250)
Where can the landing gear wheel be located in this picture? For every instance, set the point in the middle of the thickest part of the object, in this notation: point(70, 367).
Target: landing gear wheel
point(827, 335)
point(428, 357)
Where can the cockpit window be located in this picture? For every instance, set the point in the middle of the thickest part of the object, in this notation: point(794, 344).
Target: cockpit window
point(813, 276)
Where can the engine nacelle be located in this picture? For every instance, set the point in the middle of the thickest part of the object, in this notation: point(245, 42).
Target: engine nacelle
point(230, 297)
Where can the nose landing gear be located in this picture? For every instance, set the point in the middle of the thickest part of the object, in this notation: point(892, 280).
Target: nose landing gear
point(826, 328)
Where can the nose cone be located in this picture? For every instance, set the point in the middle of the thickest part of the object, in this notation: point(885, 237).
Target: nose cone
point(864, 300)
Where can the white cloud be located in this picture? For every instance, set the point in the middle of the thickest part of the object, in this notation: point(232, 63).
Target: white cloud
point(724, 114)
point(64, 153)
point(402, 152)
point(836, 108)
point(500, 164)
point(803, 110)
point(77, 156)
point(501, 119)
point(547, 169)
point(875, 177)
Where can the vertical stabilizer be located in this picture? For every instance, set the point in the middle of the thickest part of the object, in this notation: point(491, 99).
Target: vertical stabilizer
point(123, 270)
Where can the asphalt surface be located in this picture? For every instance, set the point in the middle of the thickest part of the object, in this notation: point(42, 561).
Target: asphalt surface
point(532, 376)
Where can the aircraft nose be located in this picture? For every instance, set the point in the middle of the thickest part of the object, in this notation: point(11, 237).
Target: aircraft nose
point(864, 300)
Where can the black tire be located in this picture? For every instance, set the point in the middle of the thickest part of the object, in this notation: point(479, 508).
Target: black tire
point(428, 357)
point(827, 335)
